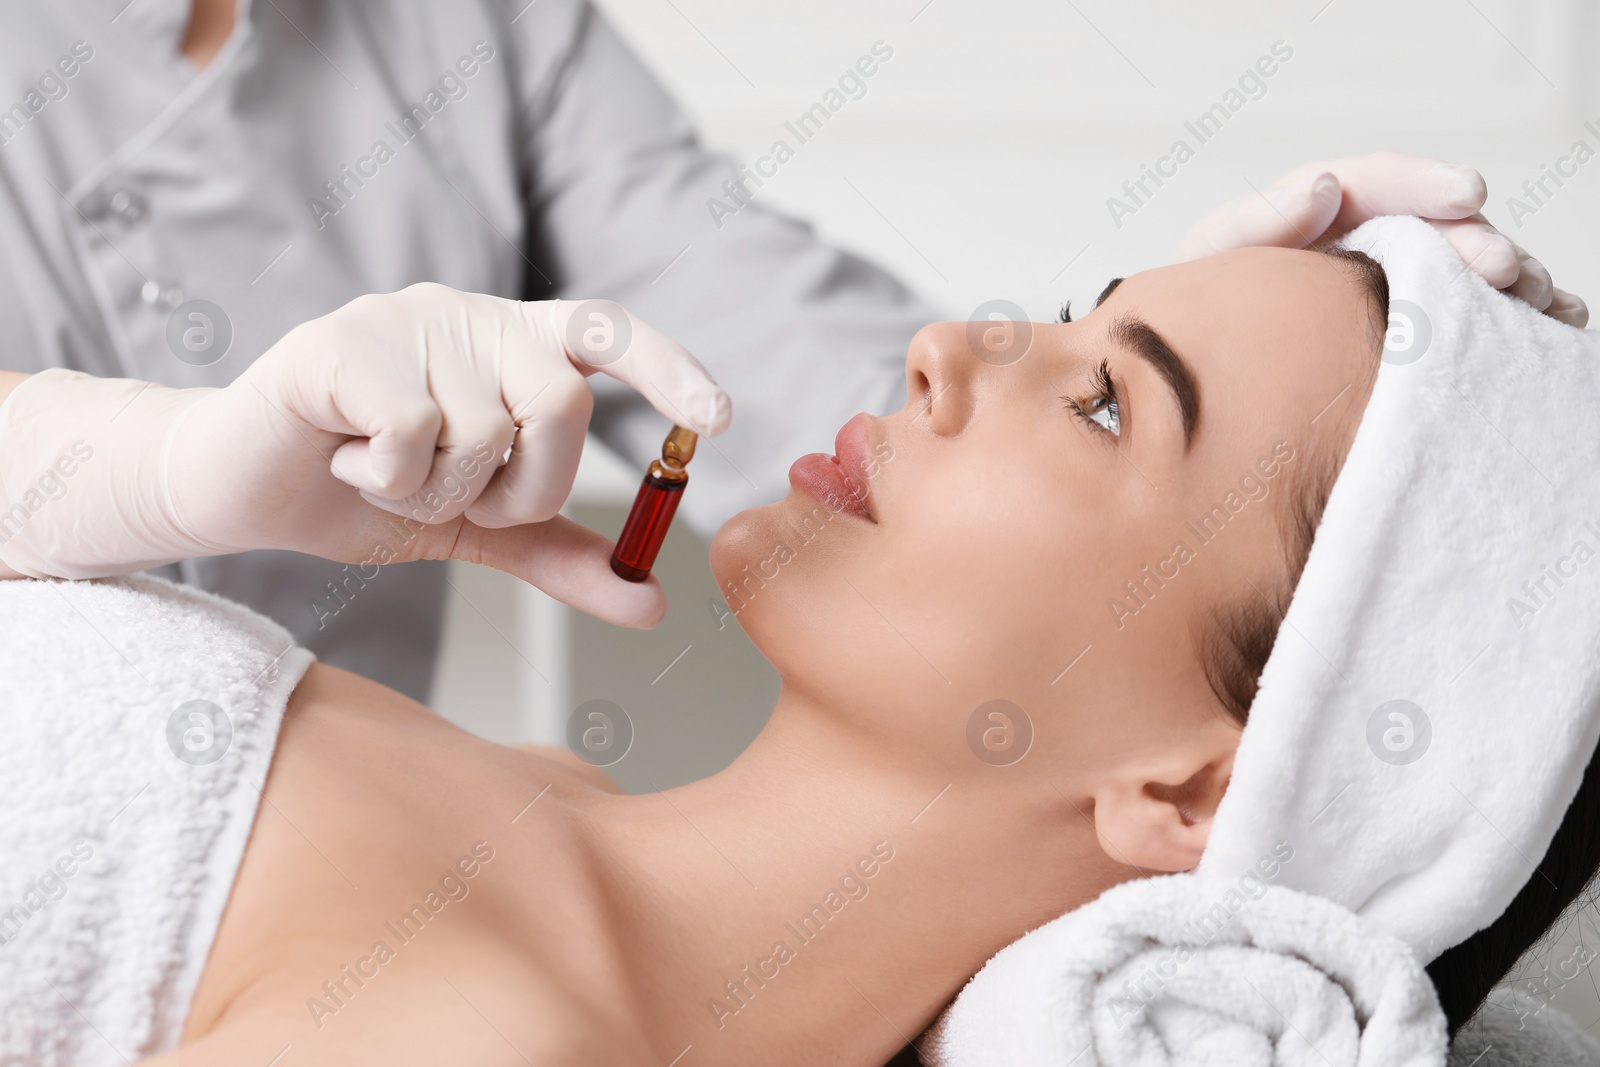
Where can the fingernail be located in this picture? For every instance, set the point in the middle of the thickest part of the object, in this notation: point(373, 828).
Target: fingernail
point(1297, 191)
point(716, 413)
point(1453, 172)
point(1463, 190)
point(1325, 184)
point(1568, 308)
point(343, 469)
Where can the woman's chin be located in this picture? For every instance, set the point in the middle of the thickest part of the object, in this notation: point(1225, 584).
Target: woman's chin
point(738, 542)
point(765, 568)
point(740, 545)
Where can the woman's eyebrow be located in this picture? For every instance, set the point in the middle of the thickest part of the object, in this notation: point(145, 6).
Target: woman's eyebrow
point(1110, 286)
point(1140, 338)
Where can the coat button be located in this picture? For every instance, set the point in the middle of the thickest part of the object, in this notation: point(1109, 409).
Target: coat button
point(128, 208)
point(163, 293)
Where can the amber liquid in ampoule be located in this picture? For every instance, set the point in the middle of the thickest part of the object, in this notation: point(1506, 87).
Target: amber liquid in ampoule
point(652, 511)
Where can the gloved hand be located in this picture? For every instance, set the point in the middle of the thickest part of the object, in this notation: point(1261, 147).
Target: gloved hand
point(425, 424)
point(1333, 197)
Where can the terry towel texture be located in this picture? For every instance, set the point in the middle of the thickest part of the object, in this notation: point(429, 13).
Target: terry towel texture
point(1199, 972)
point(139, 723)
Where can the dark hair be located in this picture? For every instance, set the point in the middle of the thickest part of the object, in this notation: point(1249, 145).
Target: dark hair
point(1234, 651)
point(1465, 974)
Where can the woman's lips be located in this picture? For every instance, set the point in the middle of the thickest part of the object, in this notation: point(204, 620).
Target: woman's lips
point(839, 481)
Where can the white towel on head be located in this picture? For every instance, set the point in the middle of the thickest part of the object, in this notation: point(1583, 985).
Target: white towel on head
point(1433, 696)
point(1196, 972)
point(139, 719)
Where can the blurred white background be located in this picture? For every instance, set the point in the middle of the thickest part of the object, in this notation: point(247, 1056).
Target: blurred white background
point(978, 165)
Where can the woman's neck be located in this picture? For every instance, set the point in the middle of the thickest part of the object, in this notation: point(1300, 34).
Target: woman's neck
point(818, 902)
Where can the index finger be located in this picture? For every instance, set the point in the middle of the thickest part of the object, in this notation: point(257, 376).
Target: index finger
point(602, 336)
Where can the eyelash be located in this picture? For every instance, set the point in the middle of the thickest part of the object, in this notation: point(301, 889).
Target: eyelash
point(1104, 387)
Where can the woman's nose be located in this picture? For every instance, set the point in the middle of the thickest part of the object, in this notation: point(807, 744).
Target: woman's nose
point(941, 366)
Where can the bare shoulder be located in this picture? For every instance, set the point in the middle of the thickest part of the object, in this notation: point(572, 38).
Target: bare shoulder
point(351, 693)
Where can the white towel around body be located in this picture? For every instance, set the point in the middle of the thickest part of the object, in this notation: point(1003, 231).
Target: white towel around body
point(1189, 971)
point(139, 720)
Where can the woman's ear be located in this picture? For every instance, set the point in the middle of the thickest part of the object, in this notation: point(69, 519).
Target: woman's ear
point(1157, 816)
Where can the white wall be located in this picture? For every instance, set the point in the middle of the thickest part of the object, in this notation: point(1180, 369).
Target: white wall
point(993, 138)
point(978, 165)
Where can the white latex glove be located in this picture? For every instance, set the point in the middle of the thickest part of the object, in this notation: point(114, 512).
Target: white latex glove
point(1333, 197)
point(396, 405)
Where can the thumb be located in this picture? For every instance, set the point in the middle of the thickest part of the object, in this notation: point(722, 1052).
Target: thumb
point(568, 561)
point(1291, 214)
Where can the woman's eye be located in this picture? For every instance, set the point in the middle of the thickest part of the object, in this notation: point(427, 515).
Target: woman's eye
point(1104, 408)
point(1104, 412)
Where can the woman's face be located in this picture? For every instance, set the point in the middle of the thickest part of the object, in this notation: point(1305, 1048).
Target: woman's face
point(1030, 536)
